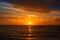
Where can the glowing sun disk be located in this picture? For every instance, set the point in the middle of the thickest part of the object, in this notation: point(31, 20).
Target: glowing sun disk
point(30, 23)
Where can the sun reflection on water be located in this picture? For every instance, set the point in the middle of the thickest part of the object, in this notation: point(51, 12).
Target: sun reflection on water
point(29, 30)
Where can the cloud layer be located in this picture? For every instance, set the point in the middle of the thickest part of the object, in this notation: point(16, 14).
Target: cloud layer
point(15, 14)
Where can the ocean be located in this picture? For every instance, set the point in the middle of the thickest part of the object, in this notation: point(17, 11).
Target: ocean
point(29, 32)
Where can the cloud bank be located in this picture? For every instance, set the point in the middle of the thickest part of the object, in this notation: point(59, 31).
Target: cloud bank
point(11, 14)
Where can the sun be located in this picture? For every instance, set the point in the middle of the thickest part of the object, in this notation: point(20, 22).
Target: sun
point(30, 23)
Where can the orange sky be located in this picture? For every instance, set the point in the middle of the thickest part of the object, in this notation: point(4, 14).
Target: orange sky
point(20, 15)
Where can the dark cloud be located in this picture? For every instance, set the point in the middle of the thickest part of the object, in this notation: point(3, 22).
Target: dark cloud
point(50, 4)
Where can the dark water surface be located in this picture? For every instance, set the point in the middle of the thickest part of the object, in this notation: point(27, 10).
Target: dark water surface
point(20, 32)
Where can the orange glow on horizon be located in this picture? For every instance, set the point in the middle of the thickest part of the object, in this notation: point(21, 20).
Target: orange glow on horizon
point(28, 20)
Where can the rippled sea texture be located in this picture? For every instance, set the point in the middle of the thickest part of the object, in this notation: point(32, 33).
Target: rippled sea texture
point(20, 32)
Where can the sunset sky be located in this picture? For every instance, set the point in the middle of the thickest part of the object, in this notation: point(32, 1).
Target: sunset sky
point(24, 12)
